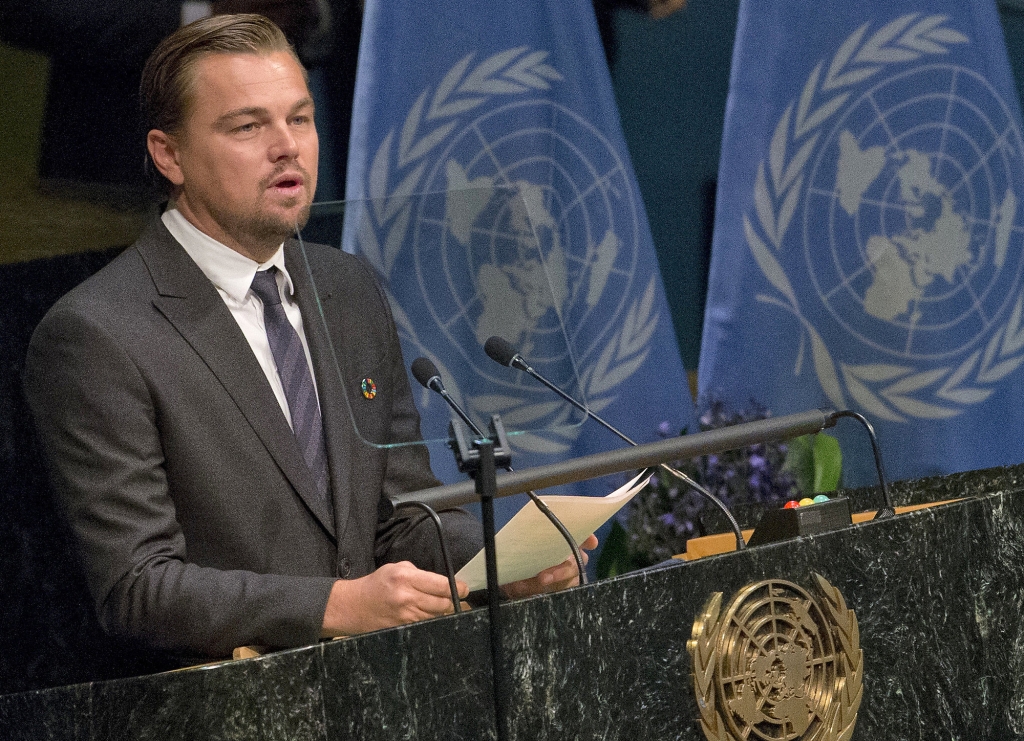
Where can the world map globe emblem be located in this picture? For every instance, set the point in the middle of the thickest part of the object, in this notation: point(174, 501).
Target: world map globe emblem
point(777, 663)
point(910, 235)
point(499, 207)
point(539, 226)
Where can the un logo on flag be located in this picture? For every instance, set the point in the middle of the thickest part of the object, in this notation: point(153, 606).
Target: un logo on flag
point(891, 198)
point(529, 229)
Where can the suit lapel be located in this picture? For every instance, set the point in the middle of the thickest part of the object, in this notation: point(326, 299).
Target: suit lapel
point(194, 307)
point(328, 367)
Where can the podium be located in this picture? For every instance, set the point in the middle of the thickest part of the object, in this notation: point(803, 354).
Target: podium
point(938, 594)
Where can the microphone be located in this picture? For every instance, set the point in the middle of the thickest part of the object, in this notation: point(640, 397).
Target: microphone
point(502, 351)
point(424, 371)
point(427, 374)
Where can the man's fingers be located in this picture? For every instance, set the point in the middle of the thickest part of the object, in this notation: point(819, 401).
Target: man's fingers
point(562, 572)
point(437, 585)
point(394, 594)
point(560, 585)
point(554, 578)
point(427, 605)
point(423, 591)
point(567, 569)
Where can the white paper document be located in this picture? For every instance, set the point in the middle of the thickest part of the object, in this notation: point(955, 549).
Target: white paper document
point(529, 543)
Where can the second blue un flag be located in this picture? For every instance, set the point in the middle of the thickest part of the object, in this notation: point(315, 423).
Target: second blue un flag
point(868, 241)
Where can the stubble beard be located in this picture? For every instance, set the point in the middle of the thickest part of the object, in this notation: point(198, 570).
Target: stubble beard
point(269, 229)
point(263, 229)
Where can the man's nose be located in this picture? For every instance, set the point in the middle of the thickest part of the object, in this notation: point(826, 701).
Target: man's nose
point(284, 144)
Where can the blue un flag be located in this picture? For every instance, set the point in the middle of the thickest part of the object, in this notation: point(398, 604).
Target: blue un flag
point(486, 137)
point(868, 234)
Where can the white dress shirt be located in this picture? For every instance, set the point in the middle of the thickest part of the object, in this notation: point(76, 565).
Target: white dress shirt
point(232, 273)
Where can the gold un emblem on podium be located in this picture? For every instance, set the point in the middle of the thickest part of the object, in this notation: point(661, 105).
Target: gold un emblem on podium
point(777, 664)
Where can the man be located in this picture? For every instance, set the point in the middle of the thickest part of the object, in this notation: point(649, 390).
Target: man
point(199, 399)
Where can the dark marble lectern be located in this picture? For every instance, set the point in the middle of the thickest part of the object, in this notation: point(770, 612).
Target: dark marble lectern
point(938, 594)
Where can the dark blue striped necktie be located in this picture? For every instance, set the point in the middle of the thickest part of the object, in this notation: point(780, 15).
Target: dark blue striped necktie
point(293, 371)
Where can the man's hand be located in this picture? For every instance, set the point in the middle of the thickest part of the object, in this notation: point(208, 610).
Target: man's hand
point(394, 594)
point(557, 577)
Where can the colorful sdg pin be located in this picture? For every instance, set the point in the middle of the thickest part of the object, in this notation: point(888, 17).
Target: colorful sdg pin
point(369, 388)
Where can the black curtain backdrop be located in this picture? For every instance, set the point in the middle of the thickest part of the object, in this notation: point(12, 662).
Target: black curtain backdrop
point(48, 632)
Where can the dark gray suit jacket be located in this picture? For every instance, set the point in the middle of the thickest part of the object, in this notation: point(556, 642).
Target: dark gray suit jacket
point(198, 520)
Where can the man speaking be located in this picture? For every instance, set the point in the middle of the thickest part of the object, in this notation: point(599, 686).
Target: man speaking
point(199, 399)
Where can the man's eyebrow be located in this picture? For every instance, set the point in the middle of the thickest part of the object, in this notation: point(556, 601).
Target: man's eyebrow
point(255, 111)
point(258, 111)
point(306, 102)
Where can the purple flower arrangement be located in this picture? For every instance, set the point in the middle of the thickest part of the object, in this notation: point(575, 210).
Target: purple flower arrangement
point(662, 517)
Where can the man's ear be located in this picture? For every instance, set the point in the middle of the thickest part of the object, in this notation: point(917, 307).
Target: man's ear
point(163, 149)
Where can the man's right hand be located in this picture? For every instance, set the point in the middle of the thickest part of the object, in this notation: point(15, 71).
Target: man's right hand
point(394, 594)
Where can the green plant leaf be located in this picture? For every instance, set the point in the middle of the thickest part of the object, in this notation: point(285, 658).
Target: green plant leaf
point(816, 463)
point(800, 462)
point(828, 463)
point(615, 558)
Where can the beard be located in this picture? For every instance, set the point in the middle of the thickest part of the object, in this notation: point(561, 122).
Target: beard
point(262, 226)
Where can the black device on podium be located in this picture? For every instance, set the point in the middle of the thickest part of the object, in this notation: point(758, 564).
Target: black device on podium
point(810, 519)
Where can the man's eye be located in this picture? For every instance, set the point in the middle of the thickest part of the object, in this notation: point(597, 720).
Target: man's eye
point(300, 120)
point(247, 127)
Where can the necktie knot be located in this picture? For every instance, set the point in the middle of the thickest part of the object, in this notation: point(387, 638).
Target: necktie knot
point(264, 285)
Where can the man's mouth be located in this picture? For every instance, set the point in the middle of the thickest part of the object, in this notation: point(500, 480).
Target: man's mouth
point(288, 183)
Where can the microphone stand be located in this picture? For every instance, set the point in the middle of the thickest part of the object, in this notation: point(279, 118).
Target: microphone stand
point(480, 460)
point(627, 459)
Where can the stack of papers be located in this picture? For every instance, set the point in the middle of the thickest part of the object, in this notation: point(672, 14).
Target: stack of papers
point(529, 543)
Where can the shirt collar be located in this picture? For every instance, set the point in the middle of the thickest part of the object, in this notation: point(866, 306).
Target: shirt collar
point(231, 272)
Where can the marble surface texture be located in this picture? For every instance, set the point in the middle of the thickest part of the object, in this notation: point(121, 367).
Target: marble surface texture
point(938, 594)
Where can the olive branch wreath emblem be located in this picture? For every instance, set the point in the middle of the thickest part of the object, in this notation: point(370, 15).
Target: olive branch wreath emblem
point(848, 692)
point(889, 391)
point(394, 179)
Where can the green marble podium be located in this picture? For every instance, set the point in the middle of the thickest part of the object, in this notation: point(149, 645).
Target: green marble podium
point(938, 594)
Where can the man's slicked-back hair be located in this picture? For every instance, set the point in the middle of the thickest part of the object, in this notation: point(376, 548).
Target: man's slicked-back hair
point(169, 74)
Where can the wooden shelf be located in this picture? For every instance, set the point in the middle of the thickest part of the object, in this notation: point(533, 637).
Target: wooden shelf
point(711, 545)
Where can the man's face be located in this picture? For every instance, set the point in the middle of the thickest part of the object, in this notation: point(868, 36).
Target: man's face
point(245, 160)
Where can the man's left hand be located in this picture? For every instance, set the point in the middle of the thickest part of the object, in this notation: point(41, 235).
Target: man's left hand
point(562, 576)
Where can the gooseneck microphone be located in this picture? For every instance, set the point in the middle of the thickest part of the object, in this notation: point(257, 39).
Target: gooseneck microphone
point(424, 371)
point(501, 351)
